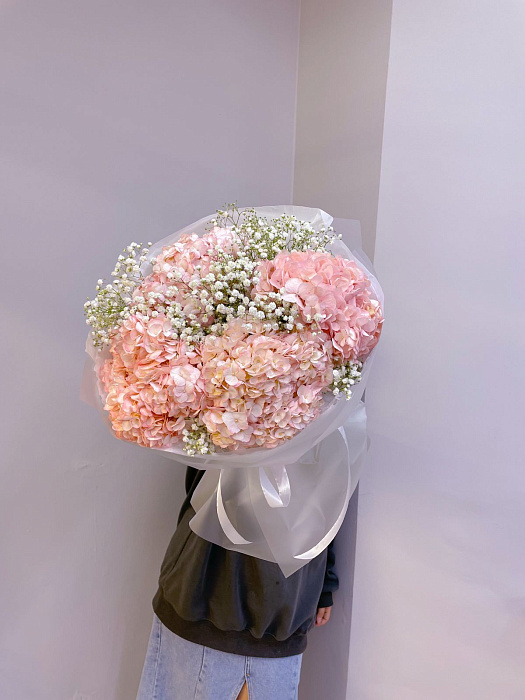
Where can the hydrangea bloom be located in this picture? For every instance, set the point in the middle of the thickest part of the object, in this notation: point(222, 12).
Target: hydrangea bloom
point(191, 250)
point(262, 389)
point(332, 286)
point(153, 383)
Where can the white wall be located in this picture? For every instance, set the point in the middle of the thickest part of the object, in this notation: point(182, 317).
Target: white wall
point(439, 607)
point(343, 60)
point(120, 121)
point(324, 671)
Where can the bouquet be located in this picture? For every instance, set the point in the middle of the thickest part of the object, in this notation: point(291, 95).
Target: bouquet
point(237, 345)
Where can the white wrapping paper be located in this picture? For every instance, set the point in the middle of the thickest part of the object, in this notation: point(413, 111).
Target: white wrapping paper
point(283, 504)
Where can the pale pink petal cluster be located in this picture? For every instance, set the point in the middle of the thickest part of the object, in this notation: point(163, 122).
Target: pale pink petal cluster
point(191, 250)
point(158, 283)
point(153, 383)
point(262, 389)
point(320, 283)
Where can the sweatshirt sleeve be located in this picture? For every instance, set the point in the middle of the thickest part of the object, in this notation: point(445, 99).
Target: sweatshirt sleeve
point(331, 580)
point(192, 478)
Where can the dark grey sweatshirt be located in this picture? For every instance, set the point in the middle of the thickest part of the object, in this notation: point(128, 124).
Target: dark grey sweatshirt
point(236, 603)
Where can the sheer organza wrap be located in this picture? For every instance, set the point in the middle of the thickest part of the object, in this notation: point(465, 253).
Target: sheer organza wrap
point(283, 504)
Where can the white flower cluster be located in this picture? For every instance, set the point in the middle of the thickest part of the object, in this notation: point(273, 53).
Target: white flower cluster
point(225, 293)
point(345, 376)
point(184, 326)
point(111, 305)
point(263, 239)
point(197, 440)
point(217, 297)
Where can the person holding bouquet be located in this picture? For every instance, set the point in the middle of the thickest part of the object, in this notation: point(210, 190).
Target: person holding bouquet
point(241, 349)
point(224, 620)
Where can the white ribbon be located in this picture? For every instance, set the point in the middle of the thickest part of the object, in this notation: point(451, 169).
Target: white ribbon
point(280, 497)
point(226, 524)
point(263, 520)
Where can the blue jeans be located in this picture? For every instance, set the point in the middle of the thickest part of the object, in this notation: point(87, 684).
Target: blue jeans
point(177, 669)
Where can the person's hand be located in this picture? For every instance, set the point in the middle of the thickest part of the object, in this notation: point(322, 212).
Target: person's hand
point(322, 617)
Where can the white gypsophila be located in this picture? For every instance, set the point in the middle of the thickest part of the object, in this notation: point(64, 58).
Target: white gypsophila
point(224, 294)
point(197, 440)
point(345, 376)
point(221, 295)
point(258, 238)
point(262, 239)
point(111, 304)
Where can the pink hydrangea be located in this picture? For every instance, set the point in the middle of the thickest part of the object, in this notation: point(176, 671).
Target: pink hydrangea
point(158, 283)
point(262, 389)
point(153, 383)
point(320, 283)
point(191, 250)
point(182, 257)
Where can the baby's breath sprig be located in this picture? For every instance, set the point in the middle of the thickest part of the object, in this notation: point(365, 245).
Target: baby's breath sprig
point(221, 295)
point(226, 217)
point(345, 376)
point(187, 327)
point(226, 294)
point(263, 239)
point(226, 291)
point(197, 439)
point(106, 311)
